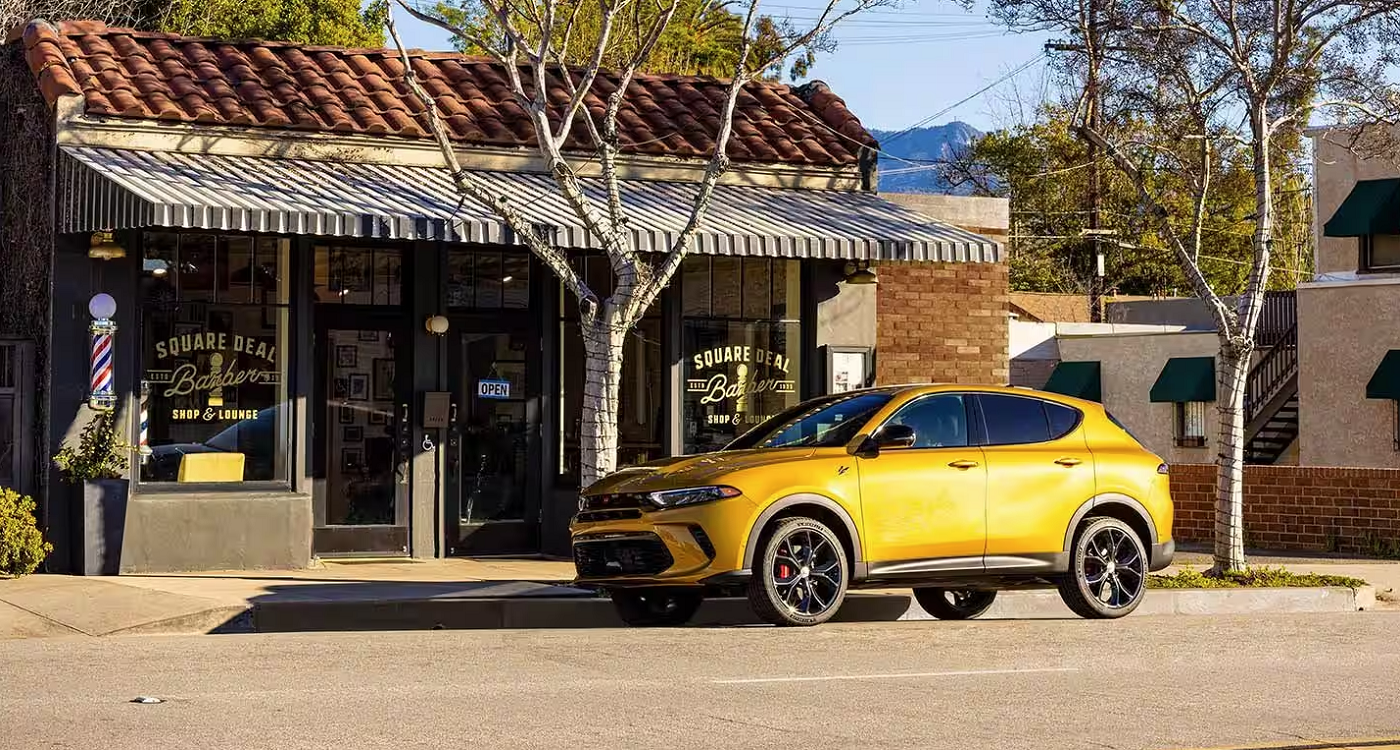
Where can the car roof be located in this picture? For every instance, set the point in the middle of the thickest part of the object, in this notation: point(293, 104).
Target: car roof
point(1015, 390)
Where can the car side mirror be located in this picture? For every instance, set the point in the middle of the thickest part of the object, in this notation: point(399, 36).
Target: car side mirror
point(894, 436)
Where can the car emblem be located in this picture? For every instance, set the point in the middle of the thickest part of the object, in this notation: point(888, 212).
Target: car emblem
point(841, 469)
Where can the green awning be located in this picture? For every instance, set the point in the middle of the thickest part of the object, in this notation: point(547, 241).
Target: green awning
point(1077, 379)
point(1185, 379)
point(1373, 207)
point(1385, 383)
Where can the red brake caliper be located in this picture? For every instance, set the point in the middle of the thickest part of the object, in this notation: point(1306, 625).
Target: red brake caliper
point(784, 571)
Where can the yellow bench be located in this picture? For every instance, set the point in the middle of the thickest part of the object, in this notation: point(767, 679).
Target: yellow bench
point(211, 467)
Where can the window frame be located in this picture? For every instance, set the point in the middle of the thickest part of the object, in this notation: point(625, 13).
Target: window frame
point(292, 270)
point(986, 436)
point(1179, 421)
point(1395, 422)
point(1366, 249)
point(973, 433)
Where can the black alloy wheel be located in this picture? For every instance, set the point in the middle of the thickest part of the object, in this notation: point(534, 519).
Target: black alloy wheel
point(1108, 570)
point(954, 604)
point(800, 577)
point(647, 608)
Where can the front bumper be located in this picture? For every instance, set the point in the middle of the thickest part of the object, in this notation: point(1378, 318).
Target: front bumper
point(680, 547)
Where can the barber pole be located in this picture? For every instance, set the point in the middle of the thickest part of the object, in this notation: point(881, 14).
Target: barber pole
point(102, 396)
point(143, 445)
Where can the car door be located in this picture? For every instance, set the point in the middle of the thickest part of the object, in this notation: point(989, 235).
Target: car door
point(1039, 471)
point(924, 505)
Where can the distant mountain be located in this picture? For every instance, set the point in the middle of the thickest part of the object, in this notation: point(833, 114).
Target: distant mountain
point(921, 145)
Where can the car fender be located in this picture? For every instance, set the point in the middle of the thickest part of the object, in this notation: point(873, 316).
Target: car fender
point(751, 548)
point(1111, 498)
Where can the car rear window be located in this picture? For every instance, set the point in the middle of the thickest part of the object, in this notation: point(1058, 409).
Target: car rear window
point(1062, 418)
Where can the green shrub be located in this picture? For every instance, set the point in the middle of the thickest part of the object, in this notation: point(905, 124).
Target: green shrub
point(1264, 577)
point(22, 545)
point(100, 454)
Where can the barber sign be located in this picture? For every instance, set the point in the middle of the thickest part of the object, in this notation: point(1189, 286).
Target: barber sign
point(497, 389)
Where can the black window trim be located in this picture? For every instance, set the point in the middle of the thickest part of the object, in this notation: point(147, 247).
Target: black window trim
point(975, 434)
point(985, 441)
point(1366, 246)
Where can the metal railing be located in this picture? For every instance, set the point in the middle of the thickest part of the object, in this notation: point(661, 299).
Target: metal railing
point(1278, 318)
point(1272, 372)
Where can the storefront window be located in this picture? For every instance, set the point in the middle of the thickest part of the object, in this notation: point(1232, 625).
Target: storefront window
point(359, 275)
point(741, 346)
point(488, 279)
point(642, 398)
point(215, 351)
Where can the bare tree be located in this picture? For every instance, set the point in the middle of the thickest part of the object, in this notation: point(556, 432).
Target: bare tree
point(120, 12)
point(1220, 79)
point(531, 40)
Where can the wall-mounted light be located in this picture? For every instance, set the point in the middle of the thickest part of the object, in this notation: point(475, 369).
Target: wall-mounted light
point(858, 272)
point(436, 325)
point(103, 246)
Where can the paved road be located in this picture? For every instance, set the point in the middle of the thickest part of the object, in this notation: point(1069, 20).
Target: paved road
point(1150, 682)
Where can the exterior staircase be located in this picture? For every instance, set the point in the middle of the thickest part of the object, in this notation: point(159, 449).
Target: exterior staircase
point(1271, 400)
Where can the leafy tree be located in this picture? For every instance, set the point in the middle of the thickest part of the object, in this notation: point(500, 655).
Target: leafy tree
point(1043, 168)
point(703, 37)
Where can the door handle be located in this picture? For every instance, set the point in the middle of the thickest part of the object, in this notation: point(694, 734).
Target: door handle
point(962, 464)
point(1068, 461)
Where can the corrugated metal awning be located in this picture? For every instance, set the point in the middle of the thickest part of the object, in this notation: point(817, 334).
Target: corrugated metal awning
point(104, 189)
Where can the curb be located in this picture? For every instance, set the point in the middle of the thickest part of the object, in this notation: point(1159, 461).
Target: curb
point(595, 612)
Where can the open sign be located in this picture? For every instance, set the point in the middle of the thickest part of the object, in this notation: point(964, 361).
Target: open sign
point(493, 389)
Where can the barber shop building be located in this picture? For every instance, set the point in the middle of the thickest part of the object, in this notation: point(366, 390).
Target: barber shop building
point(320, 350)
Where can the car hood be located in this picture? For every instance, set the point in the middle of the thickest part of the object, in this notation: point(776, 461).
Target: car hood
point(691, 471)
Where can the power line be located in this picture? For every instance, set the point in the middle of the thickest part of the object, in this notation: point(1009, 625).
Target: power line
point(1017, 71)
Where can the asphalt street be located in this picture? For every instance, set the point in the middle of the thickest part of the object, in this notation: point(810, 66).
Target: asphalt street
point(1149, 682)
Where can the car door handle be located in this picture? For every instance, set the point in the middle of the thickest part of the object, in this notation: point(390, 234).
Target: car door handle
point(1069, 461)
point(962, 464)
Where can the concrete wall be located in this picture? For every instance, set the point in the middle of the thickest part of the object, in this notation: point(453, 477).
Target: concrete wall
point(1344, 329)
point(1130, 365)
point(1336, 170)
point(942, 322)
point(985, 216)
point(216, 531)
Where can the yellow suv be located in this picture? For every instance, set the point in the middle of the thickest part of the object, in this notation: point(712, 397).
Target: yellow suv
point(955, 491)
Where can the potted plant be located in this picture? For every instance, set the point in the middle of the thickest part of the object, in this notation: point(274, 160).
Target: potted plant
point(97, 465)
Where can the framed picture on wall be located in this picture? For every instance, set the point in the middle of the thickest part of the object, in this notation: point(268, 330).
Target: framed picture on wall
point(347, 415)
point(347, 356)
point(359, 387)
point(383, 380)
point(352, 458)
point(354, 434)
point(369, 336)
point(377, 417)
point(847, 368)
point(341, 389)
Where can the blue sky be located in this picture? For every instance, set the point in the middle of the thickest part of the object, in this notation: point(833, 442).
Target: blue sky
point(896, 67)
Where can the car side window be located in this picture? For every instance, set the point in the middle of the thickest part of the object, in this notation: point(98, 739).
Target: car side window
point(1013, 420)
point(1063, 419)
point(938, 421)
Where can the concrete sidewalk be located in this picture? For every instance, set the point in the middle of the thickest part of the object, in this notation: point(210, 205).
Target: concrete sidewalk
point(477, 593)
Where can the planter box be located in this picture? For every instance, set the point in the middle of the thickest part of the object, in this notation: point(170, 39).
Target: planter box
point(100, 509)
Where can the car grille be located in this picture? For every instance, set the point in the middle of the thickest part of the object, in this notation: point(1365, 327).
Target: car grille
point(593, 516)
point(632, 554)
point(614, 502)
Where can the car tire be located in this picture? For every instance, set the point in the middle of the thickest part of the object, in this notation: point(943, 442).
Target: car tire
point(1107, 570)
point(954, 604)
point(651, 608)
point(801, 576)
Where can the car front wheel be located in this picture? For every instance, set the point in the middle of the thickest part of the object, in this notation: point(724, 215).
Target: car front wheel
point(1108, 570)
point(954, 604)
point(645, 608)
point(800, 576)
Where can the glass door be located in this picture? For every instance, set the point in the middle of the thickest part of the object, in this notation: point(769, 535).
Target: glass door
point(361, 424)
point(492, 439)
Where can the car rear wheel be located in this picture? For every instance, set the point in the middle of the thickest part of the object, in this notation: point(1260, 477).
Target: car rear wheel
point(801, 574)
point(1108, 570)
point(646, 608)
point(954, 604)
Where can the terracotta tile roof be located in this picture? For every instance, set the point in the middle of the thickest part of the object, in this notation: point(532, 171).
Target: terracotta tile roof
point(151, 76)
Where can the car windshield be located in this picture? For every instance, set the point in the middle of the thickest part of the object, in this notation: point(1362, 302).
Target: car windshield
point(823, 423)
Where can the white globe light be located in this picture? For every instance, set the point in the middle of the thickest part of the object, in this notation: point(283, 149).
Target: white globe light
point(102, 306)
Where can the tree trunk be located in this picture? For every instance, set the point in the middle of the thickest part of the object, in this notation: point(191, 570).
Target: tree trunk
point(602, 347)
point(1229, 494)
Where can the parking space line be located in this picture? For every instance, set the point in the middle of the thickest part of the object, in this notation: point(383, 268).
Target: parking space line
point(891, 676)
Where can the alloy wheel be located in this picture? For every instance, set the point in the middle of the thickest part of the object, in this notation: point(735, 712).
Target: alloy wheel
point(1114, 569)
point(807, 572)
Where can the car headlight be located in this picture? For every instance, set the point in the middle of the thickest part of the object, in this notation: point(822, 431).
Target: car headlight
point(690, 496)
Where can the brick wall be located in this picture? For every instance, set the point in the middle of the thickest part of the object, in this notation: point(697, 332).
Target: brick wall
point(1295, 507)
point(942, 322)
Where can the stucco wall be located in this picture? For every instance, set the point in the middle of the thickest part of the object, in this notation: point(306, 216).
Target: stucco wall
point(1130, 364)
point(1344, 329)
point(986, 216)
point(1336, 169)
